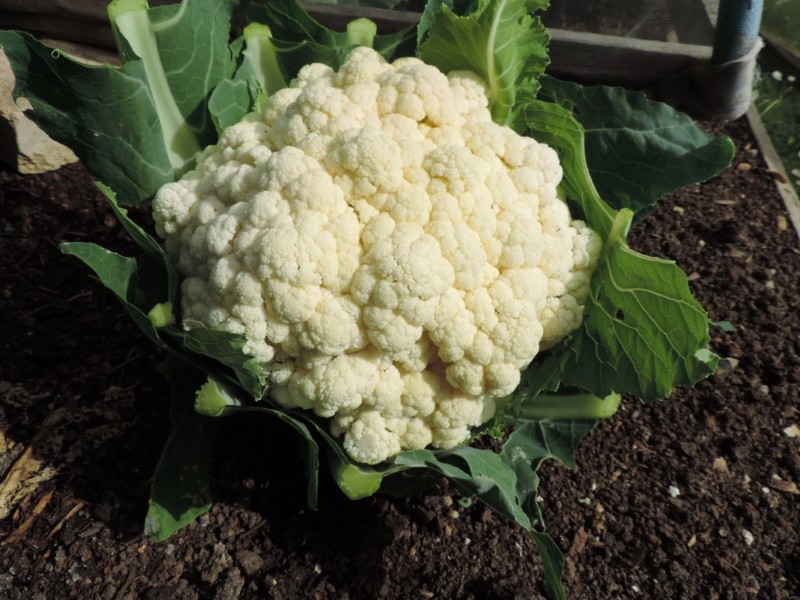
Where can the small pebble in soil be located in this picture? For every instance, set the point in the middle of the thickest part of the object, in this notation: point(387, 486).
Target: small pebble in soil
point(721, 465)
point(792, 431)
point(748, 537)
point(250, 562)
point(673, 491)
point(726, 365)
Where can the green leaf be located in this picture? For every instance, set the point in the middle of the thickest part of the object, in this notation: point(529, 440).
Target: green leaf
point(643, 332)
point(180, 491)
point(114, 270)
point(556, 126)
point(644, 327)
point(638, 150)
point(300, 39)
point(118, 274)
point(180, 75)
point(226, 348)
point(163, 273)
point(259, 74)
point(526, 448)
point(473, 471)
point(533, 442)
point(231, 100)
point(137, 126)
point(500, 41)
point(105, 115)
point(553, 564)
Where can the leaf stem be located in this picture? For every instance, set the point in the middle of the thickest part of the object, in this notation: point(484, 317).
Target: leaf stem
point(260, 53)
point(576, 406)
point(131, 22)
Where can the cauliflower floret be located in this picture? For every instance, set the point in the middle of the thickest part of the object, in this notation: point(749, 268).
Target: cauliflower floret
point(392, 257)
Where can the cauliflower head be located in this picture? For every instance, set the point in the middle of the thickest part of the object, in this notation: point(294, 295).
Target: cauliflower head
point(393, 257)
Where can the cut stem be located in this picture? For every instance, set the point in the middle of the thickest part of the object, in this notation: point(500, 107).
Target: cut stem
point(576, 406)
point(131, 22)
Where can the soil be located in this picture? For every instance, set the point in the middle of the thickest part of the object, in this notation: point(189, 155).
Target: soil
point(695, 497)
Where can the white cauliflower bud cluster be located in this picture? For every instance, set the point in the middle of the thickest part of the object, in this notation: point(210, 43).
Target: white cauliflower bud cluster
point(392, 256)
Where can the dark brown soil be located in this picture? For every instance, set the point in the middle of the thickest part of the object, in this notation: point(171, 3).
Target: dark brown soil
point(692, 498)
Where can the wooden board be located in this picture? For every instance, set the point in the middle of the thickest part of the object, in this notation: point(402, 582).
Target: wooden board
point(584, 57)
point(774, 162)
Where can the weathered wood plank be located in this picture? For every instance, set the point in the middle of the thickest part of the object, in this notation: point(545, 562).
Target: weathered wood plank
point(91, 10)
point(774, 162)
point(782, 47)
point(596, 58)
point(84, 31)
point(337, 17)
point(586, 57)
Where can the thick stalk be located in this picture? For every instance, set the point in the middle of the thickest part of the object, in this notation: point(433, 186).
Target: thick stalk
point(131, 22)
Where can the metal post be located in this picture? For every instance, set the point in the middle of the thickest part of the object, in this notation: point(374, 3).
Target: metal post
point(737, 29)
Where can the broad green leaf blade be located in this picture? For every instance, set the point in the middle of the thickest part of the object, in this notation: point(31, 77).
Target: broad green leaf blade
point(118, 273)
point(363, 3)
point(526, 448)
point(643, 331)
point(473, 471)
point(638, 150)
point(554, 125)
point(226, 348)
point(135, 37)
point(291, 19)
point(180, 75)
point(500, 41)
point(143, 239)
point(105, 115)
point(164, 275)
point(202, 59)
point(180, 491)
point(259, 74)
point(114, 270)
point(643, 327)
point(533, 442)
point(553, 564)
point(231, 100)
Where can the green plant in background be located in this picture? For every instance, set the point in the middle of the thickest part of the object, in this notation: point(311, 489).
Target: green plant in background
point(139, 127)
point(777, 89)
point(777, 98)
point(781, 19)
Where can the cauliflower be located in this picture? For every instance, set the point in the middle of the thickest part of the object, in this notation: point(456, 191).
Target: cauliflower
point(393, 258)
